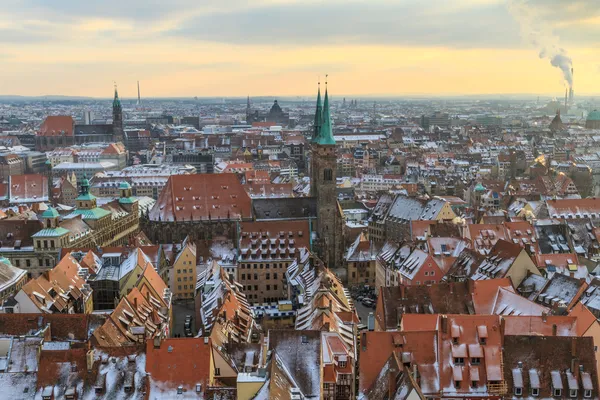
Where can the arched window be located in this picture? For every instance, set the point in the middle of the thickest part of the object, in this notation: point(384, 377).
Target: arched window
point(328, 174)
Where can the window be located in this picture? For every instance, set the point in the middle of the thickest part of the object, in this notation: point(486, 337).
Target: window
point(268, 287)
point(217, 371)
point(474, 384)
point(274, 287)
point(482, 340)
point(587, 393)
point(459, 361)
point(28, 263)
point(328, 174)
point(426, 273)
point(275, 275)
point(268, 276)
point(475, 360)
point(179, 287)
point(243, 276)
point(342, 364)
point(255, 277)
point(185, 286)
point(557, 392)
point(457, 384)
point(255, 287)
point(518, 391)
point(432, 273)
point(17, 263)
point(179, 279)
point(191, 271)
point(535, 392)
point(573, 393)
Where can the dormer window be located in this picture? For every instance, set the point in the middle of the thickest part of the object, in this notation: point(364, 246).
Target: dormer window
point(535, 392)
point(518, 391)
point(587, 393)
point(573, 393)
point(557, 392)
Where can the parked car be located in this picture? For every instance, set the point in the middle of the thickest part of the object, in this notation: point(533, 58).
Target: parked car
point(367, 302)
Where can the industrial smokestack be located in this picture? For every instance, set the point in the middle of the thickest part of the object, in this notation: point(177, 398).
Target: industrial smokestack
point(139, 98)
point(571, 94)
point(566, 91)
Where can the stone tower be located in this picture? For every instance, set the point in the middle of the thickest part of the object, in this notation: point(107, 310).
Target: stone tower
point(117, 118)
point(323, 185)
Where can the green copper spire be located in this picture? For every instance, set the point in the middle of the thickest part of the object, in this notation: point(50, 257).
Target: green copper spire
point(318, 117)
point(326, 133)
point(116, 101)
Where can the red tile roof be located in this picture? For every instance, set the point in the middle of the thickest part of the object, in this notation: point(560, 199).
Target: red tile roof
point(179, 362)
point(28, 188)
point(202, 197)
point(55, 125)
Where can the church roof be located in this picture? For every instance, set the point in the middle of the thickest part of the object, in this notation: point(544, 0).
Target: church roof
point(594, 116)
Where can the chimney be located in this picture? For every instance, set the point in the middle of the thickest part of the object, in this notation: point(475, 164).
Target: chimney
point(392, 383)
point(502, 330)
point(135, 303)
point(574, 365)
point(554, 329)
point(157, 342)
point(544, 317)
point(415, 374)
point(444, 322)
point(371, 322)
point(89, 359)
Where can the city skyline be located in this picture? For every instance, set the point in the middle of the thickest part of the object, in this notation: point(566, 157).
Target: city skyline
point(280, 47)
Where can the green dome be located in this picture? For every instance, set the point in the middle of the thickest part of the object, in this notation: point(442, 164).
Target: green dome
point(50, 213)
point(594, 116)
point(85, 182)
point(479, 188)
point(124, 185)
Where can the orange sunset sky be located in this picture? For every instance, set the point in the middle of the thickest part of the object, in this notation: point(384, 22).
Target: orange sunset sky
point(280, 47)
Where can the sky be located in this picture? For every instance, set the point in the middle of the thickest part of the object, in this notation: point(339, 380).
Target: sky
point(211, 48)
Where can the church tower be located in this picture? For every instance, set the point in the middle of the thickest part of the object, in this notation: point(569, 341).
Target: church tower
point(117, 118)
point(323, 185)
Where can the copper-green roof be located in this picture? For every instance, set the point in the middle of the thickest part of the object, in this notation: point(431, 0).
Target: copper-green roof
point(318, 118)
point(51, 232)
point(594, 116)
point(127, 200)
point(124, 185)
point(86, 196)
point(94, 213)
point(50, 213)
point(326, 132)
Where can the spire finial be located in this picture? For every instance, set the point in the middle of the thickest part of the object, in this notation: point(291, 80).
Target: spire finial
point(326, 77)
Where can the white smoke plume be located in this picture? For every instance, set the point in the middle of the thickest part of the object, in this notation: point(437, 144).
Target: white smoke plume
point(537, 31)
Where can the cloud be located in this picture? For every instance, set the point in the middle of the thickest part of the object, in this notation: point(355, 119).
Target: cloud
point(374, 22)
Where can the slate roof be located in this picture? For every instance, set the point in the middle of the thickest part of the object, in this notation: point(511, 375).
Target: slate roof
point(300, 354)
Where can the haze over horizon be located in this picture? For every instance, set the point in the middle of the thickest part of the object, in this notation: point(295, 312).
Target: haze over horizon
point(375, 48)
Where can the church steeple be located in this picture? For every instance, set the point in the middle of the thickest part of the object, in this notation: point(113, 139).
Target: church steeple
point(326, 132)
point(318, 117)
point(117, 117)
